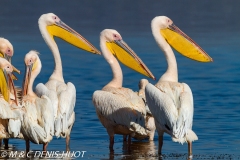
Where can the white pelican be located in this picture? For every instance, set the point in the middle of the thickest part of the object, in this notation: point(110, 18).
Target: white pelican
point(120, 110)
point(6, 51)
point(62, 95)
point(10, 115)
point(171, 102)
point(38, 120)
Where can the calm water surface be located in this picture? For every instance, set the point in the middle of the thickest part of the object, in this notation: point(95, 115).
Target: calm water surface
point(213, 25)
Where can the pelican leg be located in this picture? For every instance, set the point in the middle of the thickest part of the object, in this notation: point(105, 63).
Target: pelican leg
point(129, 142)
point(125, 146)
point(124, 138)
point(160, 144)
point(68, 137)
point(45, 146)
point(27, 146)
point(151, 135)
point(129, 139)
point(111, 138)
point(68, 142)
point(190, 156)
point(5, 143)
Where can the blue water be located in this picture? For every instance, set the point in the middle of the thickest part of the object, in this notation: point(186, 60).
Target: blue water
point(214, 25)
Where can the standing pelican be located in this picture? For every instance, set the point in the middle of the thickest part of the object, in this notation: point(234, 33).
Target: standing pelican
point(38, 122)
point(8, 103)
point(171, 102)
point(120, 110)
point(6, 51)
point(62, 95)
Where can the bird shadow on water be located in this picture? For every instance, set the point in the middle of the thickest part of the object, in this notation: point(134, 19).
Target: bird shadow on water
point(139, 150)
point(147, 150)
point(136, 150)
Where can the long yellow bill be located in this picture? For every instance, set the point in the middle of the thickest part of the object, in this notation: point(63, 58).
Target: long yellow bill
point(127, 56)
point(184, 44)
point(6, 84)
point(63, 31)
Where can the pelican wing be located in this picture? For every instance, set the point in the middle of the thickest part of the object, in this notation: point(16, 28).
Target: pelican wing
point(45, 116)
point(162, 107)
point(141, 94)
point(32, 131)
point(14, 126)
point(6, 112)
point(30, 127)
point(67, 99)
point(172, 107)
point(121, 107)
point(185, 112)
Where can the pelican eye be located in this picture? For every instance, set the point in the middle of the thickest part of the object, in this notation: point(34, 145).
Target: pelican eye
point(30, 61)
point(54, 17)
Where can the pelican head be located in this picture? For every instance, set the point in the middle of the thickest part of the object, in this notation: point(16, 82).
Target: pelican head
point(56, 27)
point(6, 82)
point(33, 67)
point(6, 51)
point(123, 52)
point(178, 39)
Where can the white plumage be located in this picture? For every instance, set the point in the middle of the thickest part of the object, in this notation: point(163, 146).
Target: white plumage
point(149, 120)
point(10, 113)
point(6, 51)
point(38, 124)
point(62, 95)
point(120, 107)
point(171, 102)
point(38, 119)
point(120, 110)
